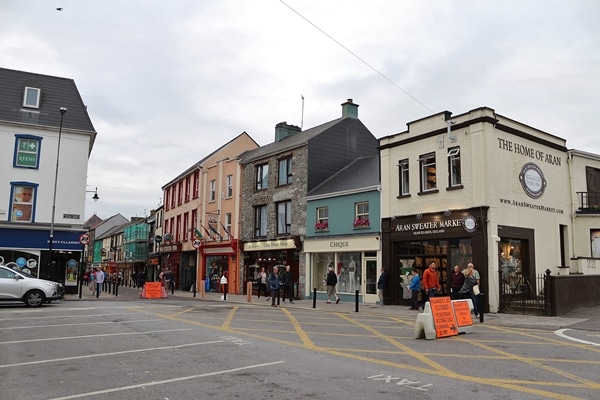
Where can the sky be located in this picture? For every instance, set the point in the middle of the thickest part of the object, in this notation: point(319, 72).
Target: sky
point(166, 83)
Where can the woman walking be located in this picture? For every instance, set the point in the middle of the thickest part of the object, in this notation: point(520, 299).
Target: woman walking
point(262, 282)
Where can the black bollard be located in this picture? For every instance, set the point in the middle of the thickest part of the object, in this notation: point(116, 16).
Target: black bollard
point(225, 292)
point(315, 298)
point(116, 289)
point(356, 301)
point(278, 295)
point(480, 299)
point(194, 288)
point(172, 287)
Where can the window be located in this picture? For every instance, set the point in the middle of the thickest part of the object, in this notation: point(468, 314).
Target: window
point(322, 219)
point(194, 222)
point(260, 221)
point(228, 223)
point(284, 176)
point(454, 167)
point(173, 190)
point(31, 98)
point(185, 226)
point(167, 191)
point(284, 217)
point(361, 219)
point(23, 195)
point(262, 176)
point(178, 229)
point(212, 192)
point(403, 174)
point(27, 151)
point(188, 184)
point(196, 181)
point(428, 172)
point(229, 184)
point(180, 193)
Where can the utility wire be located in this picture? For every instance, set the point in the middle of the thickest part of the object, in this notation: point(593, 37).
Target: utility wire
point(358, 57)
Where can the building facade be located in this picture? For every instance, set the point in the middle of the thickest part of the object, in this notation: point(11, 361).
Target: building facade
point(480, 187)
point(46, 137)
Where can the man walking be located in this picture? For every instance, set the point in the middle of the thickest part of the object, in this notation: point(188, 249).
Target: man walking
point(382, 284)
point(431, 283)
point(99, 281)
point(331, 282)
point(288, 286)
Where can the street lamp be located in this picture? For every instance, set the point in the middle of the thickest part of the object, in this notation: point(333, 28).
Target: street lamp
point(63, 111)
point(95, 197)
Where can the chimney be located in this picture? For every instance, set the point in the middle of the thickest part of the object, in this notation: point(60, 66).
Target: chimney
point(349, 109)
point(283, 130)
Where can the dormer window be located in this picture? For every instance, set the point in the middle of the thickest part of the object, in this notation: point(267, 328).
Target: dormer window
point(31, 98)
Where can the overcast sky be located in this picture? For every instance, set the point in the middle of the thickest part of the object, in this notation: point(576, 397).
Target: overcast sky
point(167, 82)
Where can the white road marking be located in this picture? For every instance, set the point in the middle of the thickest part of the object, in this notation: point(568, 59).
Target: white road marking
point(166, 381)
point(561, 333)
point(109, 354)
point(82, 324)
point(92, 336)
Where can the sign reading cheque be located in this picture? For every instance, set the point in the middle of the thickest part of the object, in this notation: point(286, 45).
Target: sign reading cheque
point(443, 317)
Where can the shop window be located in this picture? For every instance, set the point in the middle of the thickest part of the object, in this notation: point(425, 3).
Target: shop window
point(229, 186)
point(454, 170)
point(31, 97)
point(262, 176)
point(428, 172)
point(212, 190)
point(23, 197)
point(403, 174)
point(284, 217)
point(27, 151)
point(595, 237)
point(284, 173)
point(260, 221)
point(347, 268)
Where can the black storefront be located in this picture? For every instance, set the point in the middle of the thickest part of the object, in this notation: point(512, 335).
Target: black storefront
point(450, 237)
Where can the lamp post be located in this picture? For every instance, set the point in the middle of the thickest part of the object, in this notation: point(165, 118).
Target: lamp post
point(63, 111)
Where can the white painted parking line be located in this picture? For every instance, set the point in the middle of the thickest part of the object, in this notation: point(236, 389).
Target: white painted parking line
point(82, 324)
point(109, 354)
point(63, 316)
point(166, 381)
point(561, 333)
point(93, 336)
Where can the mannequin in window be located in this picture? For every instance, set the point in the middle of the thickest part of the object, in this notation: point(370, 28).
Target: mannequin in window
point(352, 274)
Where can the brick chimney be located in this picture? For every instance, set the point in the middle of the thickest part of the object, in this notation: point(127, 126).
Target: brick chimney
point(349, 109)
point(283, 130)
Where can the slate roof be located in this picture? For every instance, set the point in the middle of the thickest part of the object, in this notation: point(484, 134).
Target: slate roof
point(362, 173)
point(291, 142)
point(56, 92)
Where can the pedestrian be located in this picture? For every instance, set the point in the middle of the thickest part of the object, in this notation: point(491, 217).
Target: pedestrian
point(458, 279)
point(331, 281)
point(274, 283)
point(120, 278)
point(415, 288)
point(288, 285)
point(261, 278)
point(466, 292)
point(382, 284)
point(430, 280)
point(99, 281)
point(93, 281)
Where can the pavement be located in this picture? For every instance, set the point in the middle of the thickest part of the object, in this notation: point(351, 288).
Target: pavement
point(583, 318)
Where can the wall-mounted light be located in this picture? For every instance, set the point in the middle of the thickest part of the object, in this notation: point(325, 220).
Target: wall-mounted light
point(447, 213)
point(95, 197)
point(419, 216)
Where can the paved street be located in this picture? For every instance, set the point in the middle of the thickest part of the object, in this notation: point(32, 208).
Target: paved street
point(184, 347)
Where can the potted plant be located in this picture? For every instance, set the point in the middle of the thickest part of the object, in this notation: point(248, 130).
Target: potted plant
point(361, 223)
point(322, 226)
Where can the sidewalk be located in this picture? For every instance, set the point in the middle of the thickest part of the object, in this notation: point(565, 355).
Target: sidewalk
point(585, 318)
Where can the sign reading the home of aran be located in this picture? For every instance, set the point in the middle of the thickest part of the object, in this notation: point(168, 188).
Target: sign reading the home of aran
point(270, 245)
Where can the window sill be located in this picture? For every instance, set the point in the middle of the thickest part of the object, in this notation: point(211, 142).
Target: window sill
point(432, 191)
point(403, 196)
point(457, 187)
point(321, 230)
point(362, 227)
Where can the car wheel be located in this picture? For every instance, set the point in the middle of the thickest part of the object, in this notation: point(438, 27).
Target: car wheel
point(34, 298)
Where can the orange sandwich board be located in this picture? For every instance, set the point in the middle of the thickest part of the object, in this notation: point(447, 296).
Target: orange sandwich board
point(462, 312)
point(153, 290)
point(443, 317)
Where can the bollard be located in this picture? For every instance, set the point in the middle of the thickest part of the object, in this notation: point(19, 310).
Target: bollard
point(224, 292)
point(117, 290)
point(315, 298)
point(356, 300)
point(278, 291)
point(194, 288)
point(480, 299)
point(172, 287)
point(249, 291)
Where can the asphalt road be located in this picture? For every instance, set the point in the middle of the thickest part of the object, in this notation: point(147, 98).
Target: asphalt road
point(186, 348)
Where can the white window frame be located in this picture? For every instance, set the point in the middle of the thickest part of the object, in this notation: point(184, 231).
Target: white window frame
point(404, 177)
point(213, 190)
point(37, 93)
point(229, 185)
point(361, 210)
point(454, 167)
point(428, 163)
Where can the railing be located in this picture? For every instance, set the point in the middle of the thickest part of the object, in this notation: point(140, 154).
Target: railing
point(589, 203)
point(518, 294)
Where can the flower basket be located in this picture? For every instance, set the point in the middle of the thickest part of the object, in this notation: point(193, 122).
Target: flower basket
point(361, 223)
point(322, 226)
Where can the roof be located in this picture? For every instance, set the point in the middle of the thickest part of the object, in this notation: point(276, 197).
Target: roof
point(291, 142)
point(56, 92)
point(362, 173)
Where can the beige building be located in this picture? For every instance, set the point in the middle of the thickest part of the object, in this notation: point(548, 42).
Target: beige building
point(480, 187)
point(202, 219)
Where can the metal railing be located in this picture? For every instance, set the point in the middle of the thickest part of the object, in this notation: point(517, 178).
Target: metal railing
point(589, 202)
point(519, 294)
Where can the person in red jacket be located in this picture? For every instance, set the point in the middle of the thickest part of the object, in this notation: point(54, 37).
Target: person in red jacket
point(431, 283)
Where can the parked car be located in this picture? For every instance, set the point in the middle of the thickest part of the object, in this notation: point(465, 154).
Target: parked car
point(20, 286)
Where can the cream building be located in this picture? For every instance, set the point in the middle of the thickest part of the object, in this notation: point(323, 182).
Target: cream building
point(483, 188)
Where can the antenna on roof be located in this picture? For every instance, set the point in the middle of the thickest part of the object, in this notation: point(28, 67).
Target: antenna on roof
point(302, 118)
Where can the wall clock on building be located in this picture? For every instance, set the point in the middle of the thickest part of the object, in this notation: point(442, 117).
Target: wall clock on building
point(469, 223)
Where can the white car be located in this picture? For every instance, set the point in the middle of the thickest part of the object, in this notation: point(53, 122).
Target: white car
point(20, 286)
